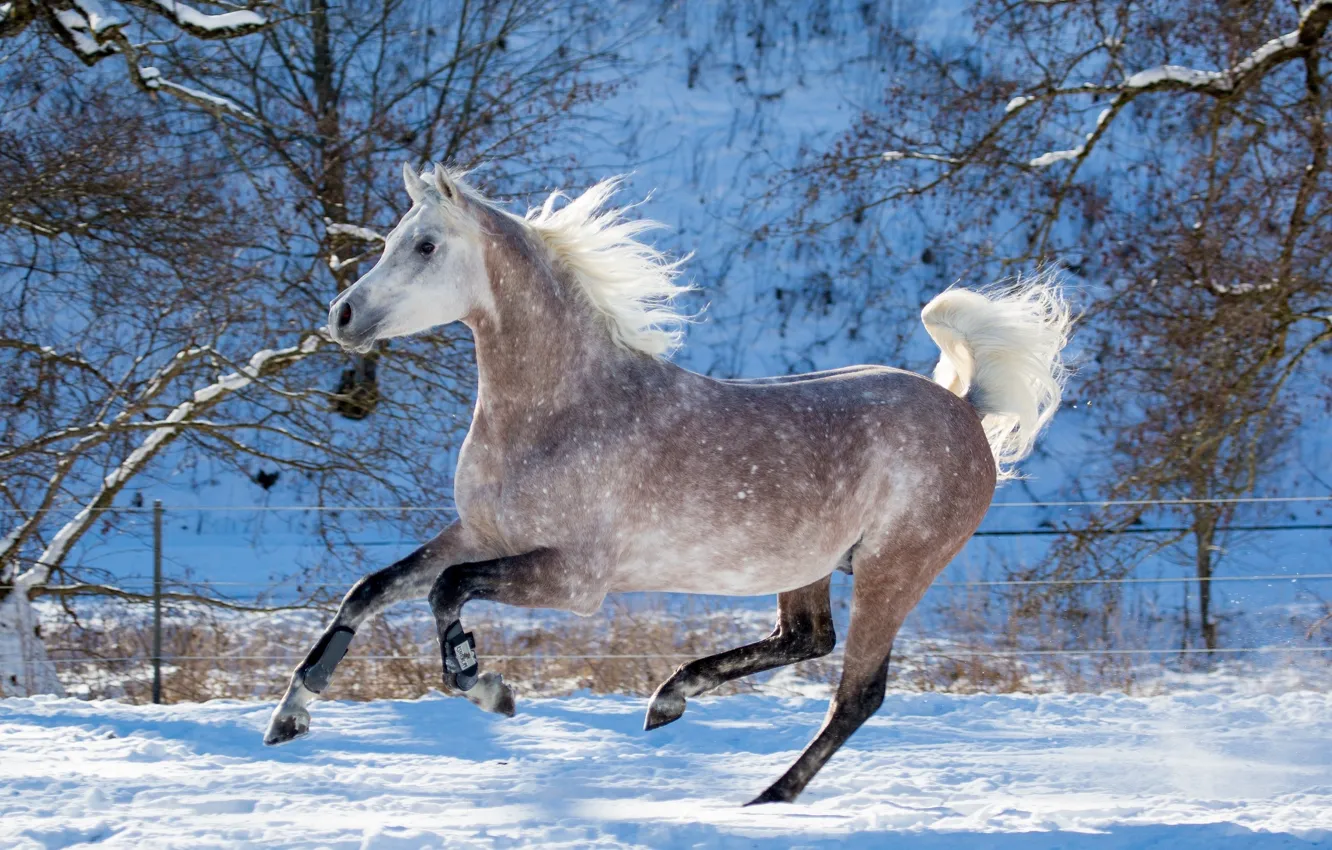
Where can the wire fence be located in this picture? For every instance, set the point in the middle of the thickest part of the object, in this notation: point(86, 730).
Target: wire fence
point(258, 596)
point(676, 656)
point(449, 508)
point(1036, 582)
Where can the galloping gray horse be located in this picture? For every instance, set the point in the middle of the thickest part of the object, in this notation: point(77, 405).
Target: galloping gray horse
point(595, 465)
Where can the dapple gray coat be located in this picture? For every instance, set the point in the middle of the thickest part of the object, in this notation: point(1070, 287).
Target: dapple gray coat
point(593, 465)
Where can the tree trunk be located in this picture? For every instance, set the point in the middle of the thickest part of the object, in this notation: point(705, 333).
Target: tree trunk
point(357, 393)
point(25, 668)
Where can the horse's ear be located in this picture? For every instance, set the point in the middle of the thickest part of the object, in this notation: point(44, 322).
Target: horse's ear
point(444, 183)
point(416, 187)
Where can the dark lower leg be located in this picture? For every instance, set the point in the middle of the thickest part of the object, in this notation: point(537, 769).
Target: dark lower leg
point(804, 630)
point(851, 707)
point(409, 578)
point(368, 597)
point(540, 579)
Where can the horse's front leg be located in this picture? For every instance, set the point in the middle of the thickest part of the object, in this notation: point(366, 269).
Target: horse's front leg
point(410, 578)
point(543, 578)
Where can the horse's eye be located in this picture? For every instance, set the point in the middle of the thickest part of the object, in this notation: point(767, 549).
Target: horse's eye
point(426, 248)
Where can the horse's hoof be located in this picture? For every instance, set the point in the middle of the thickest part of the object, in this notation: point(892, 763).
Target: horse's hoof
point(774, 794)
point(284, 728)
point(492, 694)
point(666, 706)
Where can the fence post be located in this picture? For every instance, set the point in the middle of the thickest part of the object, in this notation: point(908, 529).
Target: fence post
point(157, 602)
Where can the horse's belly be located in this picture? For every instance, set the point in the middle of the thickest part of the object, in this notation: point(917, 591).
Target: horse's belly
point(725, 573)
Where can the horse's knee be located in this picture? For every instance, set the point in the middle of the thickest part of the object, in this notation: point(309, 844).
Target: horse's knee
point(360, 598)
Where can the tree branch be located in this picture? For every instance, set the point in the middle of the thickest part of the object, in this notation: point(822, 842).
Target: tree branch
point(83, 589)
point(261, 364)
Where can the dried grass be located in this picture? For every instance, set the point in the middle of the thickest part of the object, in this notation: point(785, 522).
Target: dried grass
point(628, 648)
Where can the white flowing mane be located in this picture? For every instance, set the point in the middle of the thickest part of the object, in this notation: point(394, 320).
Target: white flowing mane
point(632, 284)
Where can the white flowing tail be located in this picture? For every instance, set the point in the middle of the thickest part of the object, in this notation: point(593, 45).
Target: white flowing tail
point(1001, 351)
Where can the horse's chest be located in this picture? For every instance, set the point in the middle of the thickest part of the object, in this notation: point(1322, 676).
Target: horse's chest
point(479, 487)
point(524, 496)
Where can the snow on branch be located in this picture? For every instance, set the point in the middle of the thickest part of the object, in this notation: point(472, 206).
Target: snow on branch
point(1313, 24)
point(96, 16)
point(1047, 159)
point(202, 25)
point(92, 33)
point(89, 33)
point(1051, 157)
point(896, 156)
point(1314, 21)
point(150, 78)
point(172, 425)
point(355, 231)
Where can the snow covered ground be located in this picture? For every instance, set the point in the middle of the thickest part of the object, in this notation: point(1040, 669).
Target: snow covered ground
point(1196, 770)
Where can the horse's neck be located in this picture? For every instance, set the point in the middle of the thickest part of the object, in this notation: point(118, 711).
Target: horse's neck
point(540, 347)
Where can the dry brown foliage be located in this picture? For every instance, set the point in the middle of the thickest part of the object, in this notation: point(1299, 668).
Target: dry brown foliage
point(628, 648)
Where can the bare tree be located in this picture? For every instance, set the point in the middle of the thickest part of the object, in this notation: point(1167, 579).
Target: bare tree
point(130, 30)
point(340, 95)
point(167, 262)
point(1173, 155)
point(126, 281)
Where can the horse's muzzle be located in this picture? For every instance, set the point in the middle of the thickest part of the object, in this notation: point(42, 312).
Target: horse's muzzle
point(349, 325)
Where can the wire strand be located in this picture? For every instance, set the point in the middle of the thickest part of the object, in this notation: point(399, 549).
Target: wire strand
point(1109, 503)
point(1072, 503)
point(337, 589)
point(968, 653)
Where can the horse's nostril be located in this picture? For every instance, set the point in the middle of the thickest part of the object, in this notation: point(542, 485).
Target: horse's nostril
point(344, 315)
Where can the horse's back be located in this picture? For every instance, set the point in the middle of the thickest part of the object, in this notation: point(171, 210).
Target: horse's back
point(840, 373)
point(875, 395)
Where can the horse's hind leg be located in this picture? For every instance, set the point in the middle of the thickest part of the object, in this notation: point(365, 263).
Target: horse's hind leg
point(804, 630)
point(882, 595)
point(409, 578)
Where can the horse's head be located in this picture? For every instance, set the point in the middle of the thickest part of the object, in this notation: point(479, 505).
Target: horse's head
point(431, 272)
